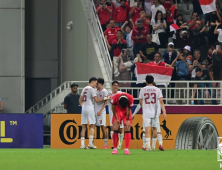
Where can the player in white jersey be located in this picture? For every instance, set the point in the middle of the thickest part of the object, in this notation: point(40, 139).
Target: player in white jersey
point(149, 97)
point(100, 110)
point(159, 135)
point(86, 100)
point(115, 87)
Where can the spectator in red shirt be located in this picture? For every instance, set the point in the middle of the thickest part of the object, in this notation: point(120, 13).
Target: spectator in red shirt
point(139, 36)
point(157, 58)
point(110, 35)
point(117, 45)
point(121, 13)
point(146, 21)
point(166, 4)
point(191, 23)
point(104, 12)
point(135, 11)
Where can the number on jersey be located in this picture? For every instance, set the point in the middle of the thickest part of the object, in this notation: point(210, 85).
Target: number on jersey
point(150, 98)
point(85, 96)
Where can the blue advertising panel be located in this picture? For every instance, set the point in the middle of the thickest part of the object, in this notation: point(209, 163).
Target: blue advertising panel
point(21, 130)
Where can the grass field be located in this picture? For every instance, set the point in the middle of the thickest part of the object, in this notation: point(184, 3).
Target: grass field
point(76, 159)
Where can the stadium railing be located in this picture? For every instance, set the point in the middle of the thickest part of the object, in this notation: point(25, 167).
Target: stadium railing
point(56, 97)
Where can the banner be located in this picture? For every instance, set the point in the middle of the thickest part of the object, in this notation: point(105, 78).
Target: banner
point(66, 130)
point(21, 130)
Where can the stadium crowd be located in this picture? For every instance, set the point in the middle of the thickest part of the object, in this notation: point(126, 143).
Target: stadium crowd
point(141, 33)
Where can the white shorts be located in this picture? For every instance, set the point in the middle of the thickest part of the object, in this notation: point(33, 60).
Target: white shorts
point(101, 120)
point(111, 119)
point(88, 116)
point(153, 122)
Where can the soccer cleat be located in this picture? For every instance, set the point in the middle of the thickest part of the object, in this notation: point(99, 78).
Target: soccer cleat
point(82, 147)
point(105, 147)
point(143, 148)
point(153, 149)
point(114, 152)
point(126, 152)
point(91, 146)
point(148, 149)
point(119, 147)
point(161, 148)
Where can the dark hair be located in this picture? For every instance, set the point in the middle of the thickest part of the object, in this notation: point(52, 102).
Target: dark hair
point(100, 80)
point(177, 20)
point(149, 34)
point(197, 51)
point(171, 46)
point(122, 0)
point(194, 12)
point(112, 20)
point(198, 69)
point(161, 20)
point(115, 82)
point(149, 79)
point(119, 31)
point(123, 102)
point(183, 54)
point(92, 79)
point(142, 10)
point(174, 1)
point(74, 85)
point(157, 53)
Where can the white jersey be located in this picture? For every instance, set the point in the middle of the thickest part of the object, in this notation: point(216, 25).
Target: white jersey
point(100, 95)
point(150, 96)
point(109, 103)
point(88, 94)
point(154, 9)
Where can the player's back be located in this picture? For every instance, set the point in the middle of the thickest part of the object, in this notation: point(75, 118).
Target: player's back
point(88, 94)
point(150, 96)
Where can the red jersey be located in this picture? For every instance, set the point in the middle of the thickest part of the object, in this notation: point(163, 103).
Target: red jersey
point(170, 17)
point(115, 101)
point(167, 5)
point(121, 13)
point(104, 15)
point(160, 63)
point(136, 13)
point(111, 34)
point(193, 26)
point(144, 23)
point(117, 50)
point(144, 31)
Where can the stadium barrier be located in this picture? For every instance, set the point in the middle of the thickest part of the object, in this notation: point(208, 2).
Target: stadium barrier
point(186, 127)
point(21, 130)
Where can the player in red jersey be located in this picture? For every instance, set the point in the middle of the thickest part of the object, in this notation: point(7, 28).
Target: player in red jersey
point(121, 107)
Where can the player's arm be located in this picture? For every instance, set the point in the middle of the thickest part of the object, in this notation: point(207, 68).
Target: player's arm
point(128, 112)
point(194, 90)
point(163, 107)
point(103, 107)
point(65, 103)
point(80, 101)
point(136, 110)
point(114, 111)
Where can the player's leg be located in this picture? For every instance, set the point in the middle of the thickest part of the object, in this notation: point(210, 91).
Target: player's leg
point(120, 135)
point(92, 122)
point(127, 133)
point(144, 138)
point(147, 124)
point(154, 131)
point(159, 136)
point(111, 125)
point(103, 125)
point(115, 135)
point(84, 122)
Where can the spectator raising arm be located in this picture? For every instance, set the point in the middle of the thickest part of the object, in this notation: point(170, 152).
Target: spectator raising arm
point(217, 25)
point(174, 61)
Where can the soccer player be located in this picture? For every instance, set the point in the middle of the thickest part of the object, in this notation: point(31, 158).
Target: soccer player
point(100, 109)
point(159, 135)
point(88, 113)
point(149, 97)
point(115, 87)
point(121, 107)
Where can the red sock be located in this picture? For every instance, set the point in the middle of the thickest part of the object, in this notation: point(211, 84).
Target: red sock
point(115, 139)
point(127, 138)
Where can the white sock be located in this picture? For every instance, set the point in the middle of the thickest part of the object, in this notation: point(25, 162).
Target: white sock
point(120, 139)
point(111, 134)
point(105, 142)
point(148, 142)
point(160, 140)
point(91, 139)
point(82, 141)
point(154, 142)
point(144, 140)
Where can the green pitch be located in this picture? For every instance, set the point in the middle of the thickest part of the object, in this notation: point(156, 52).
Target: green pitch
point(100, 159)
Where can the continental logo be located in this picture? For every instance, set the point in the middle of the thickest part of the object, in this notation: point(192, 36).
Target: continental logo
point(3, 139)
point(70, 132)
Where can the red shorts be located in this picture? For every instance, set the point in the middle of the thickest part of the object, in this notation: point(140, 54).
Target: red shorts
point(123, 118)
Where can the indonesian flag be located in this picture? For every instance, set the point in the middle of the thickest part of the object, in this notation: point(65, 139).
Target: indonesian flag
point(208, 5)
point(174, 27)
point(160, 73)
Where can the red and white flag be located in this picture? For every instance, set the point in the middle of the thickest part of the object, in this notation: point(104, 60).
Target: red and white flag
point(174, 27)
point(208, 5)
point(159, 73)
